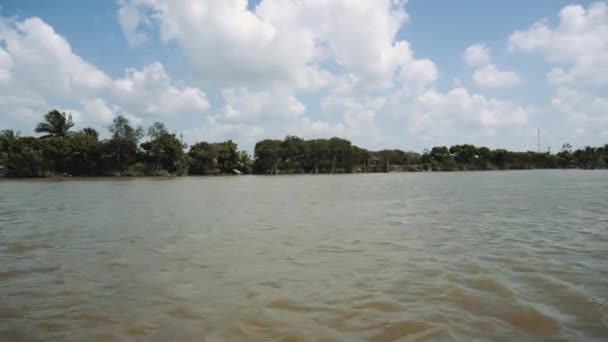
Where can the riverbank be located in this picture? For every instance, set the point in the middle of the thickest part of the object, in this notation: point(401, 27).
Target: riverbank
point(82, 153)
point(169, 176)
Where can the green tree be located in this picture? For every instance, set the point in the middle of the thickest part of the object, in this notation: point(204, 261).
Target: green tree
point(124, 139)
point(9, 135)
point(319, 155)
point(341, 155)
point(166, 152)
point(20, 157)
point(163, 151)
point(267, 156)
point(227, 156)
point(464, 155)
point(55, 124)
point(157, 130)
point(90, 132)
point(85, 154)
point(361, 158)
point(293, 154)
point(395, 157)
point(444, 160)
point(483, 159)
point(499, 158)
point(244, 162)
point(8, 139)
point(203, 159)
point(213, 158)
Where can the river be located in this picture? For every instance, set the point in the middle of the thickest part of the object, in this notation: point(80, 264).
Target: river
point(501, 256)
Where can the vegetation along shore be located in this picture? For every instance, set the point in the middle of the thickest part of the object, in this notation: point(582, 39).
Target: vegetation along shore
point(61, 151)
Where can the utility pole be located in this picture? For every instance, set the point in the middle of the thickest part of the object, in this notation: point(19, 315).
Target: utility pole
point(538, 133)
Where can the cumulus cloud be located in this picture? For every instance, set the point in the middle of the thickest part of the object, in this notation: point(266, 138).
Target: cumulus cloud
point(489, 76)
point(6, 64)
point(41, 60)
point(287, 41)
point(99, 111)
point(130, 20)
point(458, 105)
point(40, 71)
point(357, 116)
point(151, 91)
point(263, 60)
point(577, 45)
point(250, 106)
point(476, 55)
point(226, 42)
point(315, 68)
point(584, 113)
point(486, 74)
point(274, 113)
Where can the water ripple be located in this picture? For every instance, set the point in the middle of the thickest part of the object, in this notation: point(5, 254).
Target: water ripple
point(415, 257)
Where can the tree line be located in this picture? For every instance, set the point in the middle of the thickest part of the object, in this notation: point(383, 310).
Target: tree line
point(59, 150)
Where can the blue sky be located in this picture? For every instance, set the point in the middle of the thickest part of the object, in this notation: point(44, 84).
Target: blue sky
point(386, 73)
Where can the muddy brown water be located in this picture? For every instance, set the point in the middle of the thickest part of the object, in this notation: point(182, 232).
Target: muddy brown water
point(496, 256)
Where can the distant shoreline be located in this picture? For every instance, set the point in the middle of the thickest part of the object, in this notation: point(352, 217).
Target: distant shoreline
point(60, 152)
point(80, 178)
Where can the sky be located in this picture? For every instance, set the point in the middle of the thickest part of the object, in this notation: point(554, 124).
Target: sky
point(381, 73)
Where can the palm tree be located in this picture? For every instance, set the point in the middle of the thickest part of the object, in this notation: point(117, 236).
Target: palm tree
point(9, 134)
point(8, 138)
point(89, 131)
point(55, 124)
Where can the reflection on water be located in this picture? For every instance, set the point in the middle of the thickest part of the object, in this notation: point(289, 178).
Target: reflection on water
point(423, 257)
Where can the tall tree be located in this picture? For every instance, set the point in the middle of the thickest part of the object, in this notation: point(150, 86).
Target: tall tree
point(213, 158)
point(55, 124)
point(203, 158)
point(293, 153)
point(90, 132)
point(165, 151)
point(157, 130)
point(341, 155)
point(124, 138)
point(267, 156)
point(9, 134)
point(8, 139)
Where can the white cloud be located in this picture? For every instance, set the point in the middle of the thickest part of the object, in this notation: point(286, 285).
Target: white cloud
point(579, 118)
point(578, 44)
point(419, 72)
point(312, 78)
point(6, 64)
point(476, 55)
point(583, 111)
point(152, 92)
point(249, 115)
point(262, 60)
point(288, 41)
point(22, 114)
point(315, 68)
point(486, 74)
point(39, 72)
point(130, 20)
point(266, 106)
point(237, 45)
point(99, 110)
point(456, 113)
point(43, 61)
point(357, 116)
point(489, 76)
